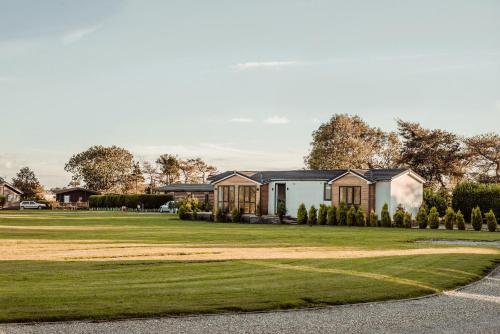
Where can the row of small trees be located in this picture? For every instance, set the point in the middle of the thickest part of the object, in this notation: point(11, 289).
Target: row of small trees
point(452, 218)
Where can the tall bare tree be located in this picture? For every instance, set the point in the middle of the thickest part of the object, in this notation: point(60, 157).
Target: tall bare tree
point(151, 172)
point(169, 168)
point(201, 170)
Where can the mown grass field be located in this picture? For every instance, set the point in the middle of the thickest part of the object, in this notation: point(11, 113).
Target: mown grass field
point(57, 290)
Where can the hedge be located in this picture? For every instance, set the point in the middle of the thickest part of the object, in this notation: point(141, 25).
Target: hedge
point(129, 201)
point(468, 195)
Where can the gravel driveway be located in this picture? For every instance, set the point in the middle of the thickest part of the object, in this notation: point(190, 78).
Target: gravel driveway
point(473, 309)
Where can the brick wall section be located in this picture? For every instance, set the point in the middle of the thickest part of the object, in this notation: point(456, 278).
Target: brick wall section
point(350, 180)
point(264, 198)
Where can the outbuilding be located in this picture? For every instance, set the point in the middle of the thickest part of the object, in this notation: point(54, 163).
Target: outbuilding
point(74, 195)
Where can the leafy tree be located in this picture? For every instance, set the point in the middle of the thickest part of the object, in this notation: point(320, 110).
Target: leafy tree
point(201, 170)
point(342, 214)
point(476, 219)
point(360, 217)
point(433, 218)
point(468, 195)
point(491, 221)
point(349, 142)
point(28, 183)
point(302, 214)
point(449, 219)
point(351, 216)
point(399, 217)
point(407, 220)
point(385, 217)
point(322, 214)
point(436, 155)
point(136, 179)
point(331, 216)
point(440, 199)
point(169, 168)
point(373, 219)
point(313, 219)
point(105, 169)
point(483, 152)
point(460, 220)
point(422, 218)
point(151, 172)
point(281, 211)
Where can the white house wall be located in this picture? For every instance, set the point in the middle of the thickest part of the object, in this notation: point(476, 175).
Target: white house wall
point(382, 196)
point(407, 192)
point(297, 192)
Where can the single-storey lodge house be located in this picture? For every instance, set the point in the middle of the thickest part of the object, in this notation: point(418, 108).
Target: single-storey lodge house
point(12, 195)
point(367, 188)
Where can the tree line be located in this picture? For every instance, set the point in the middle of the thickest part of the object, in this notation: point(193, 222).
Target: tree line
point(441, 157)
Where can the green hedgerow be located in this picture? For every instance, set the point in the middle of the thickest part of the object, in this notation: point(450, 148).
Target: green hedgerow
point(360, 217)
point(385, 217)
point(407, 220)
point(302, 214)
point(422, 218)
point(491, 221)
point(331, 216)
point(342, 214)
point(322, 214)
point(433, 218)
point(476, 219)
point(373, 219)
point(399, 217)
point(449, 219)
point(459, 217)
point(313, 217)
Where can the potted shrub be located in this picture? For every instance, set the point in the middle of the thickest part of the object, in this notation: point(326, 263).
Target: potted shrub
point(491, 221)
point(385, 218)
point(313, 219)
point(235, 215)
point(399, 217)
point(422, 218)
point(373, 219)
point(302, 214)
point(407, 220)
point(322, 214)
point(449, 219)
point(331, 215)
point(281, 211)
point(459, 217)
point(360, 217)
point(342, 214)
point(476, 219)
point(433, 218)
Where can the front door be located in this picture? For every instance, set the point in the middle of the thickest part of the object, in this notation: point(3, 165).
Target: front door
point(280, 195)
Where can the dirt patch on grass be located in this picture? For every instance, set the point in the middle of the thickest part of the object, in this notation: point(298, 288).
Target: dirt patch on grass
point(60, 228)
point(93, 250)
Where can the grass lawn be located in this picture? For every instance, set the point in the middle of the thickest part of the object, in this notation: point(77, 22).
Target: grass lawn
point(55, 290)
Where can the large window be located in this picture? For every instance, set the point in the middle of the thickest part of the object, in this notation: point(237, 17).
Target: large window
point(350, 195)
point(247, 199)
point(225, 198)
point(327, 192)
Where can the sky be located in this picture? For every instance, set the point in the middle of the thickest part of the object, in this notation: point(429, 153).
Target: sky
point(241, 84)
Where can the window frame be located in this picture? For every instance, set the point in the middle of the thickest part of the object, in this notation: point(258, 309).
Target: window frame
point(247, 199)
point(325, 186)
point(350, 190)
point(226, 203)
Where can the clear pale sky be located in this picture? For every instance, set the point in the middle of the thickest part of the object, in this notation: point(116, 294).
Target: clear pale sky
point(240, 83)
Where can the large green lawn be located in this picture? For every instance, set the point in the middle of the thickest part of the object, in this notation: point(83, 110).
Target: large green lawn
point(45, 290)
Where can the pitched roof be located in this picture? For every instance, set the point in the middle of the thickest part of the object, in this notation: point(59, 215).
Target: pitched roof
point(6, 184)
point(68, 190)
point(186, 187)
point(371, 175)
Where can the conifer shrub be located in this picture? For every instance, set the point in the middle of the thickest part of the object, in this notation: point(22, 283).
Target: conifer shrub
point(449, 219)
point(476, 219)
point(422, 218)
point(331, 216)
point(219, 215)
point(342, 214)
point(385, 217)
point(313, 216)
point(351, 216)
point(322, 214)
point(491, 221)
point(459, 217)
point(399, 217)
point(235, 215)
point(281, 211)
point(433, 218)
point(302, 214)
point(407, 220)
point(360, 217)
point(373, 219)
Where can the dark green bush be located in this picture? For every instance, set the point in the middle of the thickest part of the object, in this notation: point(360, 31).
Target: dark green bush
point(360, 217)
point(385, 217)
point(235, 215)
point(322, 214)
point(219, 215)
point(421, 218)
point(351, 216)
point(468, 195)
point(182, 212)
point(433, 218)
point(342, 214)
point(331, 215)
point(449, 219)
point(407, 220)
point(476, 219)
point(459, 217)
point(373, 219)
point(399, 217)
point(313, 218)
point(439, 199)
point(281, 211)
point(149, 201)
point(302, 214)
point(491, 221)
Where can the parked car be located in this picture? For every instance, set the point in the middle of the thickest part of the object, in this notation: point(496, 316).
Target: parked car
point(32, 205)
point(170, 207)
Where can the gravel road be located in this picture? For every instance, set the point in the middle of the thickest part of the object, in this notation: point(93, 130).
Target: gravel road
point(473, 309)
